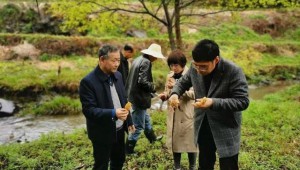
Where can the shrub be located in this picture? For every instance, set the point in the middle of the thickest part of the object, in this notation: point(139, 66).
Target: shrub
point(246, 58)
point(9, 16)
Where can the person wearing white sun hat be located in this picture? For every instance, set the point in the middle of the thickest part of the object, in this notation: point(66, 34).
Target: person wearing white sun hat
point(139, 88)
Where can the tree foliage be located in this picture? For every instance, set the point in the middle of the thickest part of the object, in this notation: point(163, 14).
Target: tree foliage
point(78, 18)
point(87, 17)
point(102, 16)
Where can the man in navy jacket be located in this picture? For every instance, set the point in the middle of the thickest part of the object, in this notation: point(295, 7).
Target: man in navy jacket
point(102, 95)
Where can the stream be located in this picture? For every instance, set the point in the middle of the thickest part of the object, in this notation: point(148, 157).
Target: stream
point(15, 129)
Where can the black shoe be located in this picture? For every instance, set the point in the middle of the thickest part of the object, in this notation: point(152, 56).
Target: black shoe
point(130, 144)
point(151, 136)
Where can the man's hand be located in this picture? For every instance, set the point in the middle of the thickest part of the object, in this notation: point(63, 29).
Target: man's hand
point(131, 129)
point(162, 96)
point(174, 101)
point(203, 103)
point(121, 113)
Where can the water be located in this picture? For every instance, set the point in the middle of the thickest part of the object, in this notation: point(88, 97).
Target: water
point(257, 93)
point(15, 129)
point(28, 128)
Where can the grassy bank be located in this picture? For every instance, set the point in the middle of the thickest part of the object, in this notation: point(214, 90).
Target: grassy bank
point(270, 140)
point(263, 61)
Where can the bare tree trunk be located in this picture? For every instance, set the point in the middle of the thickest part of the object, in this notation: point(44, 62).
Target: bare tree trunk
point(177, 24)
point(169, 25)
point(171, 37)
point(37, 6)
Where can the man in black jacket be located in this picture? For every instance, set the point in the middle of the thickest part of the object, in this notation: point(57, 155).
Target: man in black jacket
point(125, 54)
point(139, 88)
point(102, 95)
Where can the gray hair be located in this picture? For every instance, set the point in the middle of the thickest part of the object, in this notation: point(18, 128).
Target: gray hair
point(105, 50)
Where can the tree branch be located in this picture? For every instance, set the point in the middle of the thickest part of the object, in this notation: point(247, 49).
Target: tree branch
point(187, 4)
point(151, 14)
point(116, 9)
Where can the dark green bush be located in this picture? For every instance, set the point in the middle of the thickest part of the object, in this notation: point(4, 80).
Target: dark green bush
point(9, 18)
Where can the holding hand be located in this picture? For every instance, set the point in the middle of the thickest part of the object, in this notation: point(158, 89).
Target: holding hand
point(203, 103)
point(122, 113)
point(163, 96)
point(174, 101)
point(131, 129)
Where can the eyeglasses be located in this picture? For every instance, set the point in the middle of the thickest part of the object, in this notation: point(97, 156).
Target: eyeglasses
point(200, 66)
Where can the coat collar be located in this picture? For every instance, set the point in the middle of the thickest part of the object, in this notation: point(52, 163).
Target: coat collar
point(185, 70)
point(102, 76)
point(122, 57)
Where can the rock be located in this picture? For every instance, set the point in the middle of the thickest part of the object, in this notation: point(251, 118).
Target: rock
point(26, 50)
point(136, 33)
point(192, 30)
point(7, 108)
point(6, 53)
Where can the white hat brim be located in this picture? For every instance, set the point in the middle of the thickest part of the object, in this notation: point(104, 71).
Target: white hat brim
point(153, 53)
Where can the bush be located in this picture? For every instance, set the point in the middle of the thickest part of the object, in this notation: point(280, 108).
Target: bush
point(9, 18)
point(246, 58)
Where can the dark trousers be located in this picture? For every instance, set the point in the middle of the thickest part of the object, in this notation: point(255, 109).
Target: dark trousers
point(113, 153)
point(207, 151)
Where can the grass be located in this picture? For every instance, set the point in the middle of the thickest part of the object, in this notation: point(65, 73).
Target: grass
point(57, 105)
point(271, 131)
point(227, 31)
point(43, 75)
point(270, 140)
point(269, 60)
point(19, 75)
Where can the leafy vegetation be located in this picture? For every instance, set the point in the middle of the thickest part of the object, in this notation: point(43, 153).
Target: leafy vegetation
point(270, 140)
point(58, 105)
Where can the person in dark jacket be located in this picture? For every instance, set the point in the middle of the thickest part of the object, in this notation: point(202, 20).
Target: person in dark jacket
point(140, 88)
point(125, 54)
point(221, 93)
point(102, 95)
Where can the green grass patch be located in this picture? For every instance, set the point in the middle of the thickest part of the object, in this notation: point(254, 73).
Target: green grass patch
point(58, 105)
point(160, 70)
point(52, 151)
point(42, 76)
point(269, 60)
point(227, 32)
point(271, 132)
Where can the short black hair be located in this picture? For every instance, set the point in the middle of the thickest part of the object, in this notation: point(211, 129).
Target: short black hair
point(105, 49)
point(205, 50)
point(128, 47)
point(177, 57)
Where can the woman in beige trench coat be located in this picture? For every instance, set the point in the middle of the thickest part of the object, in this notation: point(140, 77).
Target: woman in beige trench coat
point(180, 127)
